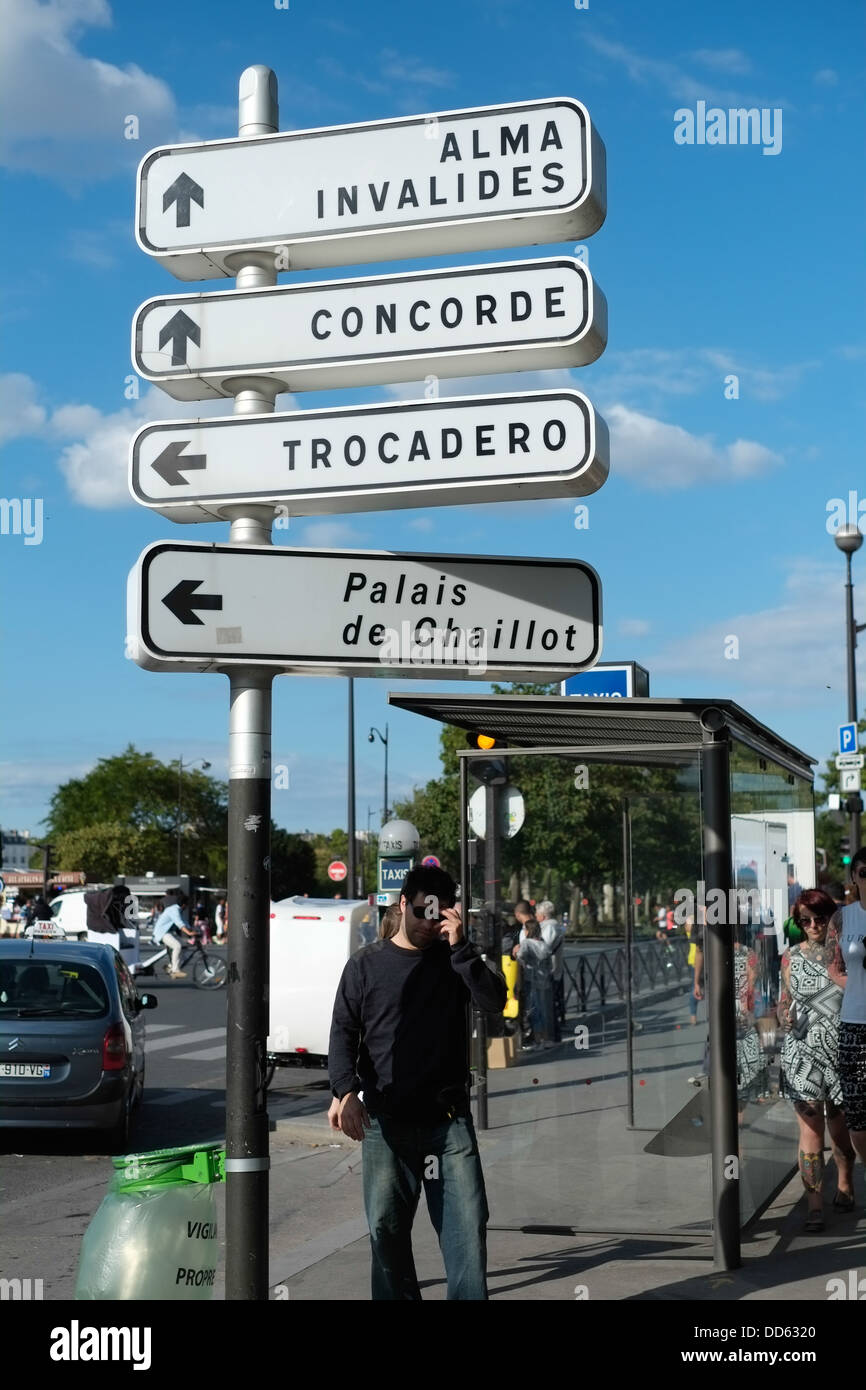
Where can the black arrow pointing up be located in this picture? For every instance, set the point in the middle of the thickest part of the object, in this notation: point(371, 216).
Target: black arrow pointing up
point(169, 463)
point(180, 329)
point(181, 191)
point(183, 600)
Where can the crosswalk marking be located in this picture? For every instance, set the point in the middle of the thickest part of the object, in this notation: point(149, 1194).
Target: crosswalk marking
point(170, 1098)
point(207, 1054)
point(184, 1040)
point(163, 1027)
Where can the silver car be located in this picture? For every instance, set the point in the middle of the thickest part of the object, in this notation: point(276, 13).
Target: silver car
point(71, 1038)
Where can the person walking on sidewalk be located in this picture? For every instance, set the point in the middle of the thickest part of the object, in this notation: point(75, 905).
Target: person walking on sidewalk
point(553, 935)
point(399, 1070)
point(808, 1012)
point(848, 931)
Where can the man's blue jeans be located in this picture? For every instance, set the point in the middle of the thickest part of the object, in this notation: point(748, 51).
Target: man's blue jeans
point(398, 1157)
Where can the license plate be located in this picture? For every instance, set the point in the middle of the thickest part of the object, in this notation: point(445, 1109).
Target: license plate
point(26, 1069)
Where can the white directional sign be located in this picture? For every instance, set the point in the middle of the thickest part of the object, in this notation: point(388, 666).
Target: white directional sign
point(363, 332)
point(476, 179)
point(374, 613)
point(460, 449)
point(849, 779)
point(849, 760)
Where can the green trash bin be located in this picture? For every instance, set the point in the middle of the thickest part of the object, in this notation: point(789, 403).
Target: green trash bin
point(154, 1235)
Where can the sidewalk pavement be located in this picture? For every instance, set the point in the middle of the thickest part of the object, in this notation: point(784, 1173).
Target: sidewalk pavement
point(319, 1246)
point(559, 1155)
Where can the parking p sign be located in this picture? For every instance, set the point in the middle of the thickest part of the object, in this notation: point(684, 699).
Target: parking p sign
point(847, 738)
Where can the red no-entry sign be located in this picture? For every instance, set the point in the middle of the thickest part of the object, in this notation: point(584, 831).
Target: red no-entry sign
point(337, 871)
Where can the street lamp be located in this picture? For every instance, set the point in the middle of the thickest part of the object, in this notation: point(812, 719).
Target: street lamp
point(180, 767)
point(384, 738)
point(849, 540)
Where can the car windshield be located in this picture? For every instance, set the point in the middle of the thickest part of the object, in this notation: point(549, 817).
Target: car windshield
point(34, 988)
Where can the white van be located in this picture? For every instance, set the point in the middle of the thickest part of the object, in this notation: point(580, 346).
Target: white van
point(70, 911)
point(311, 940)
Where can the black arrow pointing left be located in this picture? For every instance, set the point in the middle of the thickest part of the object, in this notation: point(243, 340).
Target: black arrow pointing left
point(183, 600)
point(172, 459)
point(179, 330)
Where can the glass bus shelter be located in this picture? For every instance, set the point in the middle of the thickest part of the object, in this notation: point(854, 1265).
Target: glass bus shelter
point(638, 1108)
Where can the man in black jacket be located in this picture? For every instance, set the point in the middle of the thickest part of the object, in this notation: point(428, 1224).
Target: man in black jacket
point(398, 1064)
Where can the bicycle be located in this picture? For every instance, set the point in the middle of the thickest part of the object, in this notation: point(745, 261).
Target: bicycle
point(208, 972)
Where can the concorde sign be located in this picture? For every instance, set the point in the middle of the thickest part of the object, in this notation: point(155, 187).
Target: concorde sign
point(361, 613)
point(363, 332)
point(476, 179)
point(467, 449)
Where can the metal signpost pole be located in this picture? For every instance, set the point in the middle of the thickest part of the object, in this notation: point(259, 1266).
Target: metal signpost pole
point(353, 886)
point(247, 1160)
point(719, 989)
point(852, 629)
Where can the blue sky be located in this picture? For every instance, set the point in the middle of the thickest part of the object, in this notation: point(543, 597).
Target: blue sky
point(714, 260)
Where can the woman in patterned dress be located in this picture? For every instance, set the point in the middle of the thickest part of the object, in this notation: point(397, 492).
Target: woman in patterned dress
point(808, 1013)
point(848, 930)
point(751, 1060)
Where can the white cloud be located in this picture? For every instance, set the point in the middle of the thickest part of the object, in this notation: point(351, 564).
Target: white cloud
point(678, 83)
point(420, 523)
point(94, 461)
point(788, 654)
point(20, 413)
point(553, 379)
point(643, 375)
point(95, 465)
point(660, 455)
point(634, 627)
point(97, 246)
point(61, 113)
point(732, 60)
point(331, 533)
point(398, 68)
point(826, 77)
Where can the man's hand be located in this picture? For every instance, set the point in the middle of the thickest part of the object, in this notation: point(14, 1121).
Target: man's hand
point(334, 1115)
point(353, 1117)
point(452, 926)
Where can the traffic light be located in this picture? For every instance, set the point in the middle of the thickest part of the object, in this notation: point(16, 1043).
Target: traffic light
point(845, 848)
point(490, 771)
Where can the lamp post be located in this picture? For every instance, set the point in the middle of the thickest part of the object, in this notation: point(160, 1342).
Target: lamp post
point(849, 540)
point(384, 739)
point(180, 767)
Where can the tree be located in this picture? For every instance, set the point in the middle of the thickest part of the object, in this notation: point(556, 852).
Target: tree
point(136, 791)
point(293, 864)
point(107, 848)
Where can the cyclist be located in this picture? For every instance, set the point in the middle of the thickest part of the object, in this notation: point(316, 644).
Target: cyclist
point(169, 925)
